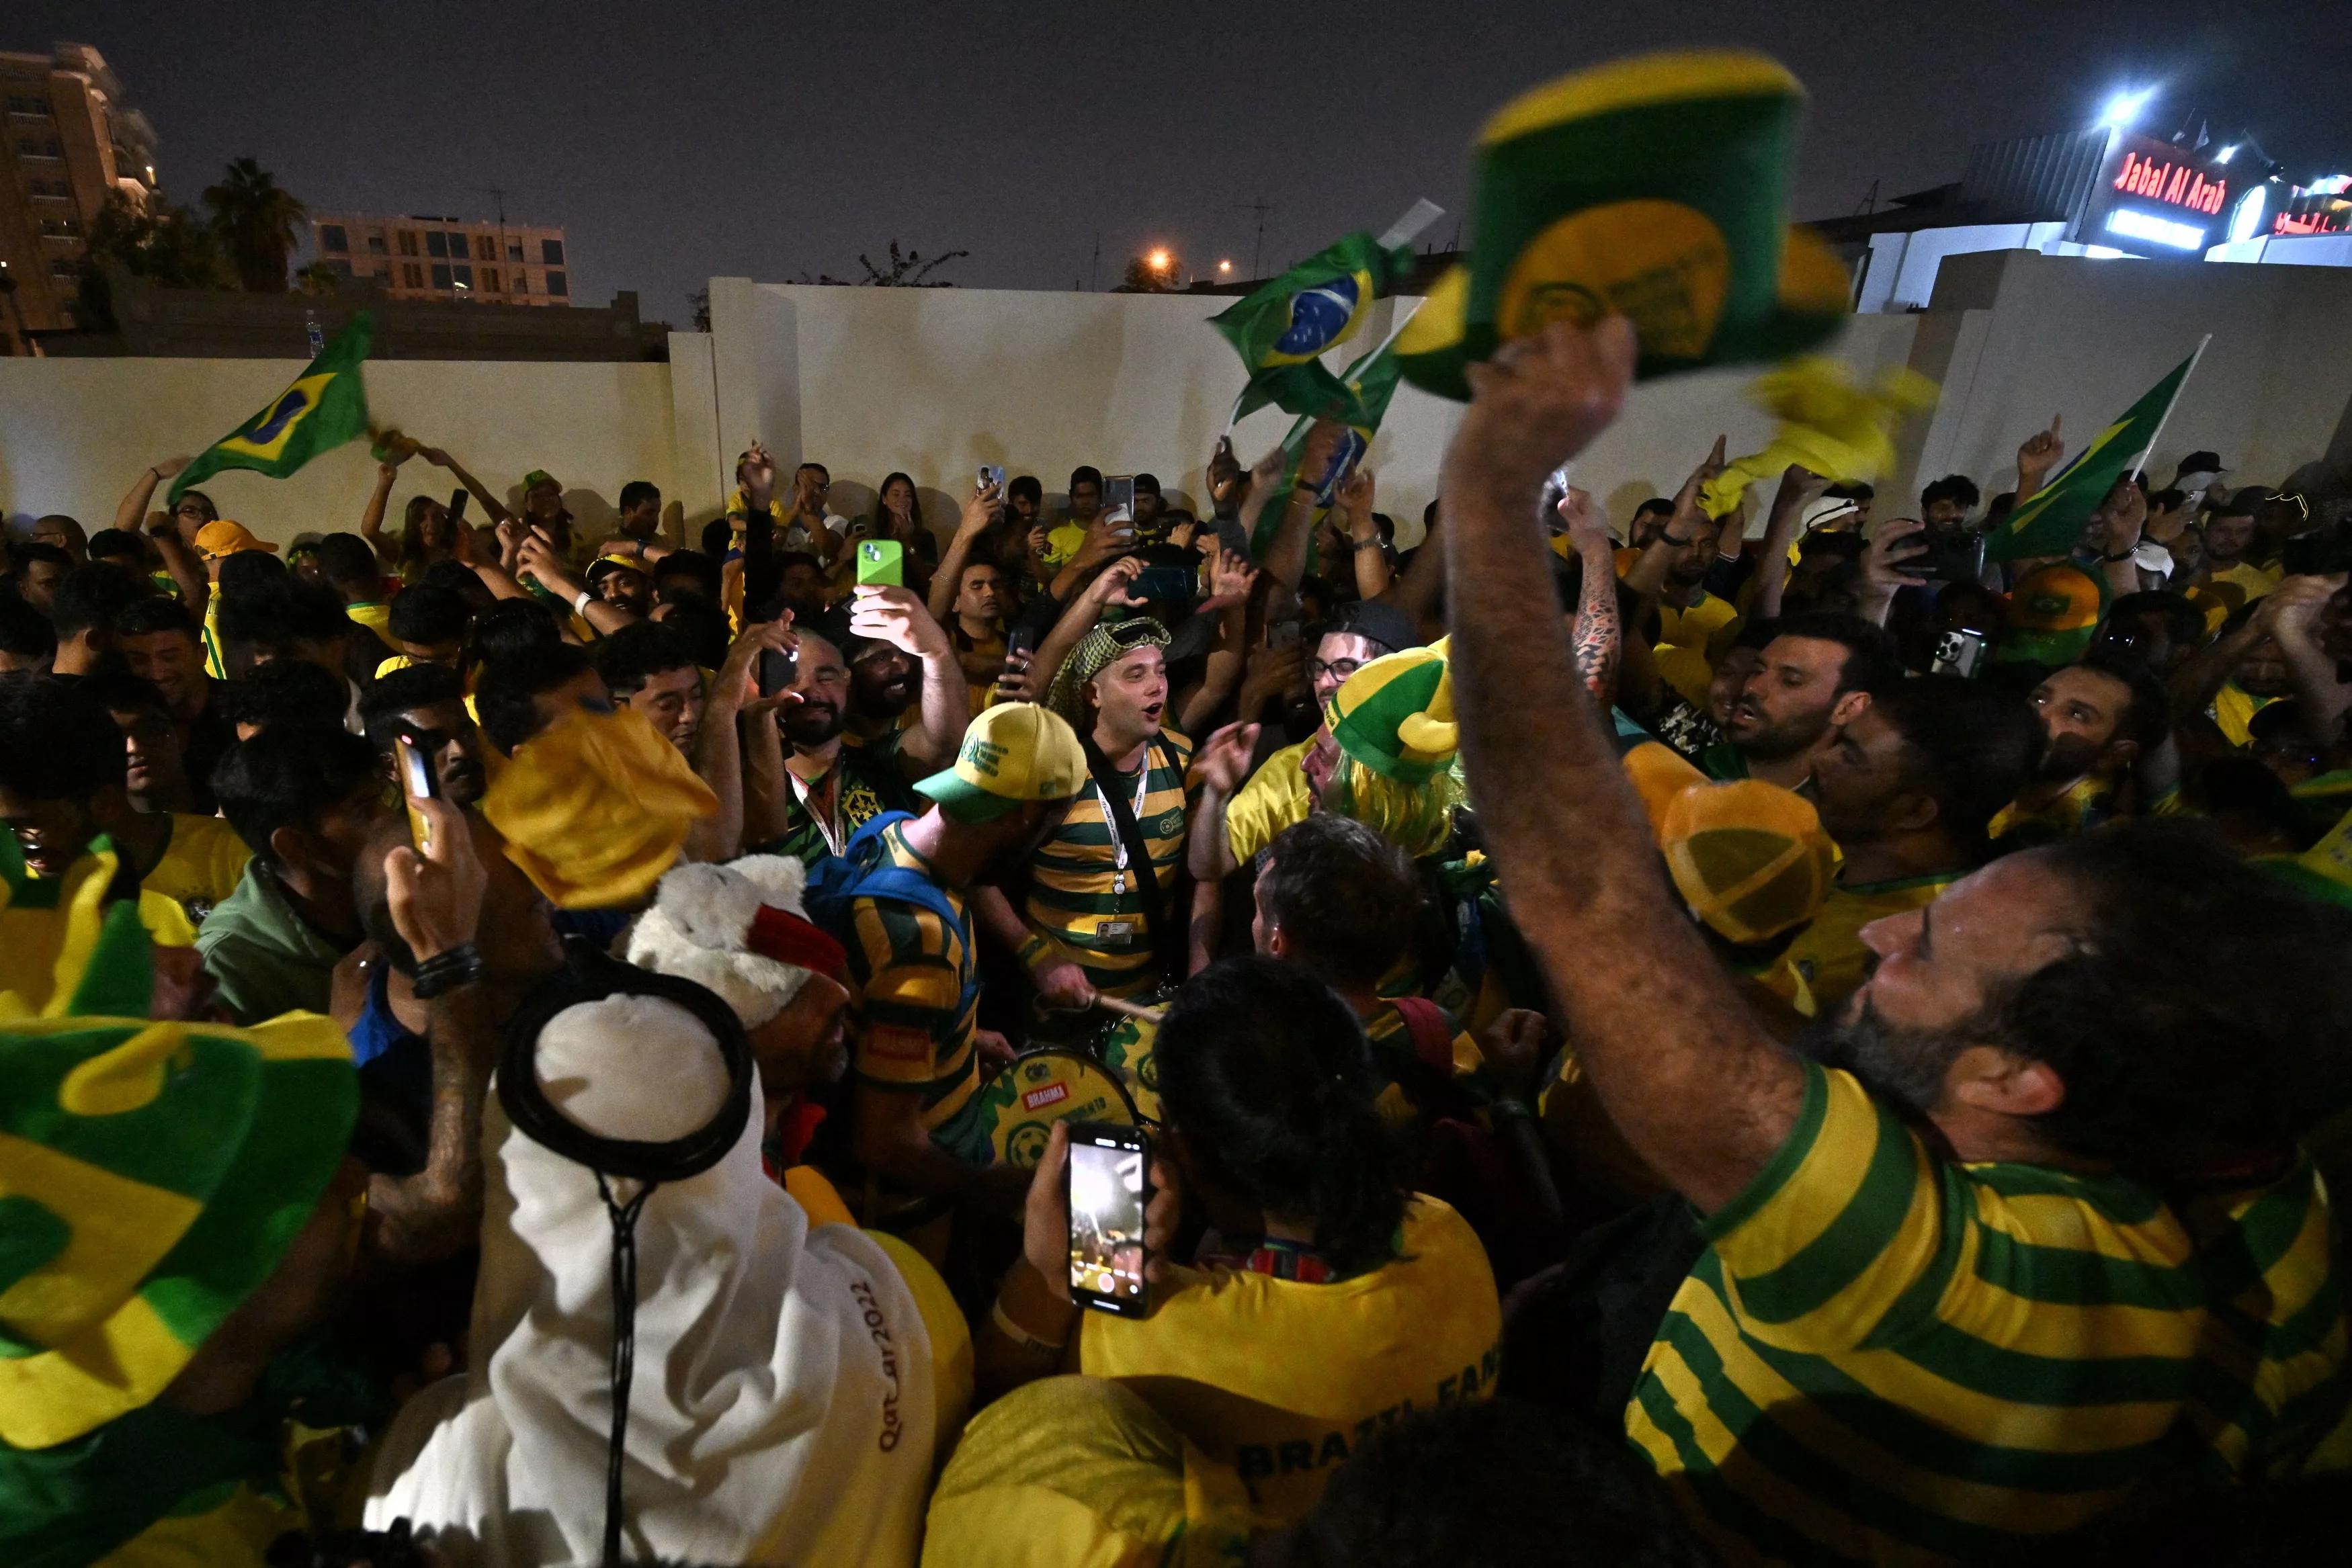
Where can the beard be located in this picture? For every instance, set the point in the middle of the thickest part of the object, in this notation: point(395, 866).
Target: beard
point(812, 724)
point(2069, 756)
point(1906, 1066)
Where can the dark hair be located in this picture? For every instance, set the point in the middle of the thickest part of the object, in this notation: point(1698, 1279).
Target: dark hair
point(107, 543)
point(1490, 1482)
point(1872, 664)
point(24, 631)
point(1855, 491)
point(2202, 1013)
point(1086, 473)
point(1147, 484)
point(1344, 896)
point(157, 613)
point(1952, 487)
point(2183, 621)
point(636, 654)
point(511, 626)
point(348, 561)
point(119, 691)
point(1655, 504)
point(26, 551)
point(1026, 485)
point(93, 597)
point(248, 571)
point(701, 625)
point(2146, 718)
point(637, 490)
point(287, 776)
point(788, 558)
point(1757, 632)
point(1969, 746)
point(502, 698)
point(428, 613)
point(458, 577)
point(277, 621)
point(286, 693)
point(56, 741)
point(914, 499)
point(690, 563)
point(398, 691)
point(1269, 1077)
point(2167, 500)
point(2240, 788)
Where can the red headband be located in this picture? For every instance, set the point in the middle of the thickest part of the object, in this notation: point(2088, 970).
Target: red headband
point(780, 935)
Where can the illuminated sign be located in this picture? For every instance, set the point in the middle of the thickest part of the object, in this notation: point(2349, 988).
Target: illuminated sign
point(2133, 223)
point(2174, 183)
point(2308, 223)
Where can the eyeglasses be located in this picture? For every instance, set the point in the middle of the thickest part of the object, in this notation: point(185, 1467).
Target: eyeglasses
point(1338, 669)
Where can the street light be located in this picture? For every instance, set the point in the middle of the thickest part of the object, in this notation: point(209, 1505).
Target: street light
point(1157, 260)
point(2125, 108)
point(1224, 267)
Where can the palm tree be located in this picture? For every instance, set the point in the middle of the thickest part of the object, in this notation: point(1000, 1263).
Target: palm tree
point(257, 223)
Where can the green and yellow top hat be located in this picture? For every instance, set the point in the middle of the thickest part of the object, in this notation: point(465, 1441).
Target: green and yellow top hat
point(1655, 188)
point(1396, 715)
point(151, 1173)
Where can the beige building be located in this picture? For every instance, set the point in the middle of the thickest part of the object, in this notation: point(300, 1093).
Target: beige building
point(68, 140)
point(426, 257)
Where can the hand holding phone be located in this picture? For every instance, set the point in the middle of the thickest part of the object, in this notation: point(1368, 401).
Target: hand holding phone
point(1108, 1184)
point(418, 782)
point(881, 563)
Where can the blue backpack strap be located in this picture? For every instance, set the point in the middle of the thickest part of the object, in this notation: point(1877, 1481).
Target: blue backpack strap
point(860, 871)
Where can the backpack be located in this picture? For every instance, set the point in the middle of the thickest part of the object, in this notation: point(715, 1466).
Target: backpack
point(859, 871)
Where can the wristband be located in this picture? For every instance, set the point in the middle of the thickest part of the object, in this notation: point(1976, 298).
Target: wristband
point(2113, 559)
point(580, 605)
point(1018, 1335)
point(447, 970)
point(1373, 543)
point(1032, 949)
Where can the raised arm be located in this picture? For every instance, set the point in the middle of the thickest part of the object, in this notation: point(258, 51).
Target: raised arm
point(1698, 1088)
point(538, 562)
point(1354, 504)
point(1110, 588)
point(492, 508)
point(1221, 768)
point(1798, 487)
point(1286, 555)
point(1598, 638)
point(719, 749)
point(977, 514)
point(387, 551)
point(130, 513)
point(2036, 458)
point(187, 569)
point(896, 616)
point(1229, 594)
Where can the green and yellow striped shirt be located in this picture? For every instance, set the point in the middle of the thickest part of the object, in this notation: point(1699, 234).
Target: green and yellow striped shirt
point(914, 994)
point(1883, 1356)
point(1072, 877)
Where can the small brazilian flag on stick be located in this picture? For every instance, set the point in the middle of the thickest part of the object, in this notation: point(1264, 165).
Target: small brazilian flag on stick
point(325, 406)
point(2051, 520)
point(1364, 395)
point(1282, 328)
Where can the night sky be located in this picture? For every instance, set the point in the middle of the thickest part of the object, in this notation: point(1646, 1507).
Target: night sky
point(683, 139)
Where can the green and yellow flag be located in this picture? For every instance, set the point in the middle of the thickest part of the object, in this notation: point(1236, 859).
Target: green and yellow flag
point(1655, 188)
point(1361, 402)
point(2051, 520)
point(1282, 330)
point(325, 406)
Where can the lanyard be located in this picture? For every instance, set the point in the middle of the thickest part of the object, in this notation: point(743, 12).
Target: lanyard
point(829, 820)
point(1118, 839)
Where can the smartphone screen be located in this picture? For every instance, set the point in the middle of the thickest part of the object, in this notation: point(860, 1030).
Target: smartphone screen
point(991, 474)
point(418, 782)
point(780, 671)
point(1119, 494)
point(881, 561)
point(1108, 1189)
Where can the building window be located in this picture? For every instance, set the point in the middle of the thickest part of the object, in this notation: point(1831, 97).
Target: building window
point(490, 279)
point(60, 226)
point(63, 266)
point(408, 242)
point(51, 189)
point(464, 275)
point(340, 269)
point(331, 237)
point(436, 244)
point(441, 278)
point(21, 103)
point(486, 248)
point(551, 251)
point(522, 281)
point(412, 275)
point(557, 285)
point(514, 250)
point(384, 275)
point(457, 245)
point(376, 245)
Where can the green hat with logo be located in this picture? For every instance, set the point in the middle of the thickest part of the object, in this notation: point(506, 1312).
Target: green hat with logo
point(1013, 753)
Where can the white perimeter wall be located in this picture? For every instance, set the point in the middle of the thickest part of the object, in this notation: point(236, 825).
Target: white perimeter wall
point(937, 382)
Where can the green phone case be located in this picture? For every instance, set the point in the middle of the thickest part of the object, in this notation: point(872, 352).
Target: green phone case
point(882, 561)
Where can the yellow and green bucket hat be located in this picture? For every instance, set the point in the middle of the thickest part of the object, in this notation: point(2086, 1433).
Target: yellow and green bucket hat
point(1396, 715)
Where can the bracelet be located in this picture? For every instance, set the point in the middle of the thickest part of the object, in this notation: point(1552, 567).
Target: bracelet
point(1018, 1335)
point(1030, 949)
point(1674, 541)
point(580, 605)
point(447, 970)
point(2112, 559)
point(1373, 543)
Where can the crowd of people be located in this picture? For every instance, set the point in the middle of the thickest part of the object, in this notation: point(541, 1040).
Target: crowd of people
point(1668, 1039)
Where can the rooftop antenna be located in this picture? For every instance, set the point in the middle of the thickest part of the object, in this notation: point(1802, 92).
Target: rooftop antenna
point(1257, 252)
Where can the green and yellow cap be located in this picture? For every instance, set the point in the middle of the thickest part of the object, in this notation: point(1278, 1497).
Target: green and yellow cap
point(151, 1173)
point(2053, 614)
point(1013, 753)
point(1749, 858)
point(1396, 715)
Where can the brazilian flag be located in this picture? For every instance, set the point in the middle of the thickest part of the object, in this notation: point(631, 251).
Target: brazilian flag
point(325, 406)
point(1364, 391)
point(2051, 520)
point(1655, 188)
point(1282, 330)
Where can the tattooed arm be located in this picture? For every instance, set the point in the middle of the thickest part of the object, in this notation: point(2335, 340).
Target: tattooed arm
point(1598, 639)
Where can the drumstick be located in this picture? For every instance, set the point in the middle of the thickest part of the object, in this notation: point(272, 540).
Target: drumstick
point(1130, 1010)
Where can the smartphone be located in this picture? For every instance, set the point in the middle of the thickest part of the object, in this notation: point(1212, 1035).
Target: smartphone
point(1961, 653)
point(1948, 560)
point(881, 561)
point(1110, 1184)
point(1021, 639)
point(1172, 583)
point(1119, 494)
point(991, 474)
point(418, 782)
point(780, 671)
point(458, 500)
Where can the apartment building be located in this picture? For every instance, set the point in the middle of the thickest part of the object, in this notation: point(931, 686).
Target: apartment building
point(68, 140)
point(422, 256)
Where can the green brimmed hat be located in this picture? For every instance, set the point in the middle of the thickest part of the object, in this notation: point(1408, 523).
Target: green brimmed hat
point(151, 1173)
point(1013, 753)
point(1655, 188)
point(2052, 616)
point(1396, 715)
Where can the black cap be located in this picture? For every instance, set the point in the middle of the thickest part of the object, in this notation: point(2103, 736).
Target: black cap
point(2200, 462)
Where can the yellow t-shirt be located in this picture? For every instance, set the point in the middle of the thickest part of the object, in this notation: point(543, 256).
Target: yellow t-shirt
point(1275, 795)
point(201, 864)
point(2252, 581)
point(2233, 711)
point(1829, 953)
point(1691, 641)
point(377, 618)
point(1280, 1380)
point(397, 662)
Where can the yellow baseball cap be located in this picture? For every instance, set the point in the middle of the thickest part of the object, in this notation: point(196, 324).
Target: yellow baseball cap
point(222, 537)
point(1749, 858)
point(1013, 753)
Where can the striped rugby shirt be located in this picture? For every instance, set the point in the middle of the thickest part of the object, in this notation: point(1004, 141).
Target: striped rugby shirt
point(1883, 1356)
point(915, 996)
point(1072, 877)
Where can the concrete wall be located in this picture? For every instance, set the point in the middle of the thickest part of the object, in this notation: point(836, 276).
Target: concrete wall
point(74, 433)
